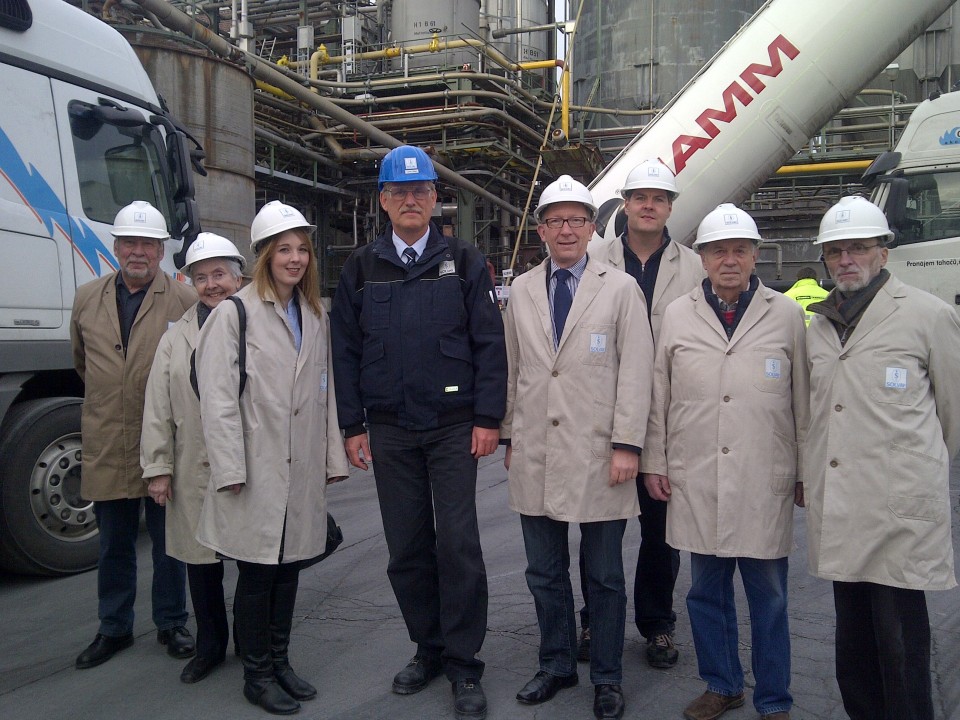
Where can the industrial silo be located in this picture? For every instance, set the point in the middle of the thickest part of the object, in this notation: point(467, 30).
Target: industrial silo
point(637, 54)
point(214, 101)
point(414, 23)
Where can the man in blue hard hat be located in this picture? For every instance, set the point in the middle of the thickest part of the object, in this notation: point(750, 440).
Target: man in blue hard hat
point(421, 371)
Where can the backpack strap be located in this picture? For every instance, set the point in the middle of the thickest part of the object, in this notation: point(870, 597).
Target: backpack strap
point(241, 352)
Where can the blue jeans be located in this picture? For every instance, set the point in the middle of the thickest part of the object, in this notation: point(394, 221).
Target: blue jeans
point(119, 523)
point(713, 619)
point(548, 577)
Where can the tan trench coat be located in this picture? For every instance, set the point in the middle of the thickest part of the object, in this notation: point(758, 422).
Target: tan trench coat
point(877, 460)
point(116, 383)
point(566, 407)
point(680, 271)
point(172, 439)
point(726, 421)
point(281, 439)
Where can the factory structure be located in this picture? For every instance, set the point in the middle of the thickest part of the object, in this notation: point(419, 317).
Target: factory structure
point(507, 94)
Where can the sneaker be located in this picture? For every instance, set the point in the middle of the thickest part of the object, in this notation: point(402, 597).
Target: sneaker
point(661, 652)
point(583, 647)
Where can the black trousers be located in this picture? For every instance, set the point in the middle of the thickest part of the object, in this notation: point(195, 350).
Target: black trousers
point(658, 566)
point(206, 593)
point(883, 652)
point(427, 485)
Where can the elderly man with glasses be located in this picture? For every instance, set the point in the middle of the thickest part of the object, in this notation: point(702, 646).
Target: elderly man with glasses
point(884, 363)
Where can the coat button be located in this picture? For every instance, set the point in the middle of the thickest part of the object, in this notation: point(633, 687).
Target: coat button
point(725, 451)
point(556, 422)
point(288, 461)
point(726, 398)
point(838, 407)
point(296, 412)
point(118, 348)
point(206, 464)
point(555, 373)
point(834, 463)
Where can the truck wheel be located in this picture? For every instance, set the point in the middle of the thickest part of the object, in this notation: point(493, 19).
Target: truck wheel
point(46, 528)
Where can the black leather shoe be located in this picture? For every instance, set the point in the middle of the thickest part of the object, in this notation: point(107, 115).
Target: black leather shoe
point(544, 686)
point(415, 676)
point(102, 649)
point(608, 702)
point(266, 693)
point(469, 702)
point(179, 642)
point(198, 668)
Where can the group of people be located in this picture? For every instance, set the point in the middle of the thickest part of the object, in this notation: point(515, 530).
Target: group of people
point(627, 377)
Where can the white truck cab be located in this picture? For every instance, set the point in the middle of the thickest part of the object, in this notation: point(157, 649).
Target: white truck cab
point(918, 187)
point(82, 133)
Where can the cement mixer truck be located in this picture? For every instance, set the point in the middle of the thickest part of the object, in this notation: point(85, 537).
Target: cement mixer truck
point(773, 86)
point(82, 133)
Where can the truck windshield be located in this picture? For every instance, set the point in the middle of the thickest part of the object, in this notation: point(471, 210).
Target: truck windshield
point(932, 209)
point(120, 158)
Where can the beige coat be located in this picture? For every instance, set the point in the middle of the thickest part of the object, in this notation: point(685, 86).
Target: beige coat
point(172, 439)
point(726, 421)
point(281, 439)
point(116, 383)
point(680, 271)
point(566, 407)
point(878, 456)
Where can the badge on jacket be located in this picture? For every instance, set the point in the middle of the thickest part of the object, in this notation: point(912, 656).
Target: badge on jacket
point(447, 267)
point(598, 342)
point(896, 378)
point(772, 368)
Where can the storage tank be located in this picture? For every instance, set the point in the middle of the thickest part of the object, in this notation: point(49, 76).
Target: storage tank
point(637, 54)
point(214, 101)
point(415, 22)
point(510, 14)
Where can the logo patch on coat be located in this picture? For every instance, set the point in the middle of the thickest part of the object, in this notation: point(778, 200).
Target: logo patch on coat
point(447, 267)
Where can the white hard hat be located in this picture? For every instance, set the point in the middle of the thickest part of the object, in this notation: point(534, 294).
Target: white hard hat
point(853, 218)
point(273, 219)
point(726, 222)
point(208, 245)
point(651, 174)
point(140, 219)
point(565, 189)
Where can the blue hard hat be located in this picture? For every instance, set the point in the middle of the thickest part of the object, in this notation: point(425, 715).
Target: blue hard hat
point(406, 164)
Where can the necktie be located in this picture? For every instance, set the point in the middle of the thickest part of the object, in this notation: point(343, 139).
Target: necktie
point(562, 300)
point(409, 256)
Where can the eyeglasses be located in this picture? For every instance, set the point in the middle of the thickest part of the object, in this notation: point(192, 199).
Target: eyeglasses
point(556, 223)
point(854, 250)
point(419, 193)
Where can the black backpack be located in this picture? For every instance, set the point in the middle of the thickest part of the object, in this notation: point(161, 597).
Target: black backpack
point(242, 352)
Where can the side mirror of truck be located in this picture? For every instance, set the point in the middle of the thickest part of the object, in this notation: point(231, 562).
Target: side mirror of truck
point(895, 207)
point(884, 163)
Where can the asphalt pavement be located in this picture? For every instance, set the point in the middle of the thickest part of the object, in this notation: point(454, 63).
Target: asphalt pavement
point(349, 638)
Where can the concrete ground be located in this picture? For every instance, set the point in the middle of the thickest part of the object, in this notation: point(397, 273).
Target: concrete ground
point(349, 639)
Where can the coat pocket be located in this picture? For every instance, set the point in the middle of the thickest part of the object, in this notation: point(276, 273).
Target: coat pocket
point(909, 498)
point(784, 459)
point(598, 343)
point(601, 437)
point(771, 371)
point(896, 378)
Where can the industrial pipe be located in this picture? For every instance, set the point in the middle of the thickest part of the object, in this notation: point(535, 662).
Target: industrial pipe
point(174, 19)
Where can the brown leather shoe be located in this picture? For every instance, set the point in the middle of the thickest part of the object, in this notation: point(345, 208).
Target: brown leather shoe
point(711, 705)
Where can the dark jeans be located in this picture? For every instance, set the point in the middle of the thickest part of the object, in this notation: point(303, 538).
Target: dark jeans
point(658, 565)
point(883, 652)
point(548, 577)
point(427, 486)
point(206, 592)
point(119, 523)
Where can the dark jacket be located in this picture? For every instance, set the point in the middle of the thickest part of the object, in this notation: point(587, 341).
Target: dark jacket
point(419, 347)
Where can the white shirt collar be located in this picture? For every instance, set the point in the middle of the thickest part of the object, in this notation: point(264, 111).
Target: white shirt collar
point(420, 245)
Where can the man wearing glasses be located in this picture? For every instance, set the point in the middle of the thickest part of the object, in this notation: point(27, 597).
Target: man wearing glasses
point(420, 365)
point(578, 393)
point(884, 367)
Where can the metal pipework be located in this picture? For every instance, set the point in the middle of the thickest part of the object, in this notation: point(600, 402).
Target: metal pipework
point(174, 19)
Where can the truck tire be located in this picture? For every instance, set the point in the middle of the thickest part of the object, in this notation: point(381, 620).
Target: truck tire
point(46, 528)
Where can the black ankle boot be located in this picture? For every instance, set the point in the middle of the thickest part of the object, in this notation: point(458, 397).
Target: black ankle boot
point(282, 601)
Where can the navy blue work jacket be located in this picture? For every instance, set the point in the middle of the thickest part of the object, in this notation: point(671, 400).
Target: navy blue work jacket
point(419, 347)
